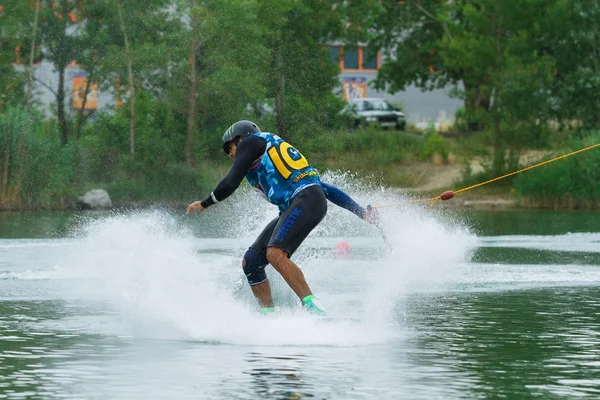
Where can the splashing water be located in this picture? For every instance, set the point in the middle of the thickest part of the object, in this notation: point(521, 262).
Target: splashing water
point(163, 281)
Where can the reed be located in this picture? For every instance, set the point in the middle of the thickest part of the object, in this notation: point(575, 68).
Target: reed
point(571, 183)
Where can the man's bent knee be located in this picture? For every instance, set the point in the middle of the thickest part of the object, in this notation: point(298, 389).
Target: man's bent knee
point(275, 255)
point(254, 264)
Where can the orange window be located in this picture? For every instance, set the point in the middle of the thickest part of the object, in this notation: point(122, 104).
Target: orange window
point(354, 59)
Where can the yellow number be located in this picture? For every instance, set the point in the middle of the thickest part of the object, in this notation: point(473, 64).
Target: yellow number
point(283, 166)
point(294, 164)
point(279, 163)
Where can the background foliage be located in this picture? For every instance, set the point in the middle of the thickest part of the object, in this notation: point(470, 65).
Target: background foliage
point(528, 72)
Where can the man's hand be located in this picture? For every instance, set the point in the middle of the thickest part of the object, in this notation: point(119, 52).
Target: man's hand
point(371, 215)
point(194, 206)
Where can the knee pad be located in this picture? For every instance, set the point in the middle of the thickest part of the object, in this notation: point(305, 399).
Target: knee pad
point(254, 268)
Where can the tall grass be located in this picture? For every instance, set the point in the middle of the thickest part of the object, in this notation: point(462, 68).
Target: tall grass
point(573, 182)
point(36, 172)
point(375, 153)
point(379, 148)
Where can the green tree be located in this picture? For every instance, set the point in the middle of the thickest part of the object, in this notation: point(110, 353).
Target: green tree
point(231, 60)
point(14, 15)
point(410, 34)
point(124, 42)
point(577, 51)
point(16, 20)
point(503, 44)
point(57, 32)
point(191, 119)
point(91, 48)
point(300, 79)
point(33, 45)
point(496, 50)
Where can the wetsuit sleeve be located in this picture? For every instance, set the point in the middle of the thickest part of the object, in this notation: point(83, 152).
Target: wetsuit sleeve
point(342, 199)
point(248, 151)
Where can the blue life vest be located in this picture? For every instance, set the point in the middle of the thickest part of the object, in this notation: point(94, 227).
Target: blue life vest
point(281, 172)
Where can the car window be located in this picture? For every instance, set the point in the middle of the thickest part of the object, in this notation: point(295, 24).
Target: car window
point(372, 106)
point(360, 106)
point(380, 106)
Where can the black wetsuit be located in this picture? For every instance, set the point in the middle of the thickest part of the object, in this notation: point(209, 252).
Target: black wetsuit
point(295, 222)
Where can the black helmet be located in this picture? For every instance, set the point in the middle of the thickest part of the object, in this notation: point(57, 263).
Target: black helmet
point(241, 128)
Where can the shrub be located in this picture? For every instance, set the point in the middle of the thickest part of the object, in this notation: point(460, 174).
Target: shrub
point(572, 182)
point(433, 144)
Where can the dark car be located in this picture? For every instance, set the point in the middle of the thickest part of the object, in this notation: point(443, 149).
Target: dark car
point(375, 111)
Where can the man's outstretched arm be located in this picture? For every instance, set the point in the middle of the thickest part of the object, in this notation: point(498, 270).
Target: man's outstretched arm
point(340, 198)
point(247, 152)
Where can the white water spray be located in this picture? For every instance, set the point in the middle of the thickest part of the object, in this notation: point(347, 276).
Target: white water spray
point(163, 281)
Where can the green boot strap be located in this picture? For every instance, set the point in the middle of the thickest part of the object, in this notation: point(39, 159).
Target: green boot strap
point(308, 298)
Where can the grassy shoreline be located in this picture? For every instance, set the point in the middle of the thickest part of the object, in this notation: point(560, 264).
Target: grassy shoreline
point(420, 163)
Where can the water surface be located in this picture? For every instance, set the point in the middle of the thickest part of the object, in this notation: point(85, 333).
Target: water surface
point(153, 305)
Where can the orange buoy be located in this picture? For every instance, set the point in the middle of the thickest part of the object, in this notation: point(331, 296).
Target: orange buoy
point(343, 249)
point(447, 195)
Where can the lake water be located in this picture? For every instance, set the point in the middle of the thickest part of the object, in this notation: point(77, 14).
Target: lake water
point(153, 305)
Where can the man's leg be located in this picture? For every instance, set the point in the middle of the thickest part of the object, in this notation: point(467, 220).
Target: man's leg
point(289, 271)
point(262, 292)
point(306, 210)
point(254, 263)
